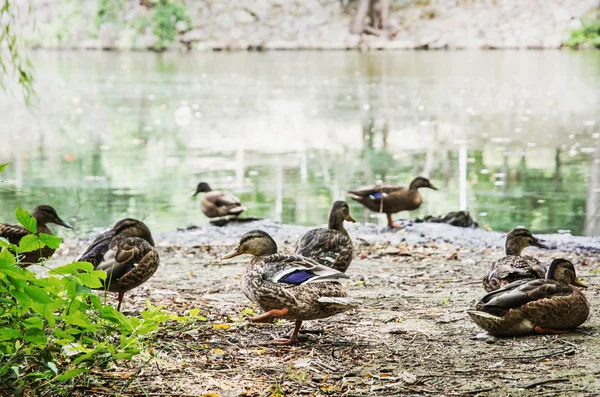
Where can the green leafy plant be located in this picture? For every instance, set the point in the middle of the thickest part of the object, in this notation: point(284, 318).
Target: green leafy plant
point(166, 14)
point(55, 331)
point(109, 11)
point(14, 63)
point(589, 34)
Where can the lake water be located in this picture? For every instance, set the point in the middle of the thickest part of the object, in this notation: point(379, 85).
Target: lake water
point(511, 136)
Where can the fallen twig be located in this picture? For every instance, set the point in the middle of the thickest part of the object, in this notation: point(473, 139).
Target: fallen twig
point(552, 354)
point(543, 382)
point(476, 391)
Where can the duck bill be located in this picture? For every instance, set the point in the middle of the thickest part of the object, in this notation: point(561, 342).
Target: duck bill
point(63, 223)
point(433, 187)
point(195, 193)
point(579, 283)
point(539, 243)
point(233, 253)
point(350, 219)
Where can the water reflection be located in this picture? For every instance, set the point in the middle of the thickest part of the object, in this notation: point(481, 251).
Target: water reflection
point(510, 136)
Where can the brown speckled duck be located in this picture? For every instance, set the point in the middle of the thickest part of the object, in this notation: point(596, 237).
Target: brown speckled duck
point(43, 214)
point(391, 199)
point(289, 286)
point(331, 247)
point(126, 253)
point(513, 266)
point(216, 203)
point(542, 306)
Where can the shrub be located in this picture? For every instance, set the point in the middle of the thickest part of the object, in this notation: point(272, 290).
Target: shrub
point(589, 34)
point(54, 330)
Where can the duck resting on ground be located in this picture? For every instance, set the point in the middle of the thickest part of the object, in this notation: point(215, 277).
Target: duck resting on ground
point(331, 247)
point(391, 199)
point(126, 253)
point(216, 203)
point(43, 214)
point(513, 266)
point(289, 286)
point(542, 306)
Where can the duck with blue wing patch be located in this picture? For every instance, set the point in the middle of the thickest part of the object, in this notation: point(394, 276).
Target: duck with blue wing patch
point(126, 253)
point(390, 199)
point(289, 286)
point(331, 247)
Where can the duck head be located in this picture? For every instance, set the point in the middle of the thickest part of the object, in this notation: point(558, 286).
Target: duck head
point(255, 242)
point(419, 182)
point(520, 238)
point(45, 214)
point(563, 270)
point(202, 187)
point(339, 213)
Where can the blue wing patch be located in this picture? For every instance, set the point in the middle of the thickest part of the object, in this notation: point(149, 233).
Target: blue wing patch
point(297, 277)
point(377, 195)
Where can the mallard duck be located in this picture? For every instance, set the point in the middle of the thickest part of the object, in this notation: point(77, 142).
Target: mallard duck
point(391, 199)
point(330, 247)
point(513, 266)
point(542, 306)
point(289, 286)
point(216, 203)
point(126, 253)
point(43, 214)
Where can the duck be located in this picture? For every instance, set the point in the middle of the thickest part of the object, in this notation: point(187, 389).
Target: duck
point(513, 266)
point(43, 214)
point(217, 203)
point(289, 286)
point(126, 253)
point(391, 199)
point(331, 247)
point(535, 306)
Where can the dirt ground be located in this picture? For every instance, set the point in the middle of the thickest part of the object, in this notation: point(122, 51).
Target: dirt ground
point(410, 337)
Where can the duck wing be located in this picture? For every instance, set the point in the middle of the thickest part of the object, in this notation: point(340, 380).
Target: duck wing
point(13, 233)
point(297, 270)
point(123, 256)
point(328, 247)
point(94, 252)
point(521, 292)
point(375, 191)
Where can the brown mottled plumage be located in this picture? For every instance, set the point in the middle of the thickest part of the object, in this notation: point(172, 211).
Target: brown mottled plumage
point(391, 199)
point(216, 203)
point(526, 307)
point(330, 247)
point(289, 286)
point(43, 214)
point(514, 267)
point(126, 253)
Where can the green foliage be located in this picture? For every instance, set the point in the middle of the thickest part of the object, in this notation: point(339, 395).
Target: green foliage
point(14, 63)
point(109, 11)
point(589, 34)
point(55, 332)
point(164, 20)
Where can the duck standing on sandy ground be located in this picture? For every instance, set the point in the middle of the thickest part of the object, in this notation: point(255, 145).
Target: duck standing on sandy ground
point(126, 253)
point(43, 215)
point(331, 247)
point(513, 266)
point(542, 306)
point(216, 203)
point(289, 286)
point(390, 199)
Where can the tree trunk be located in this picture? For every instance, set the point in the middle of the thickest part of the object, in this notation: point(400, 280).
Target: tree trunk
point(358, 26)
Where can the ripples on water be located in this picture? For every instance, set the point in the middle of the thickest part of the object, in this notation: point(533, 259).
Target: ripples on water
point(120, 135)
